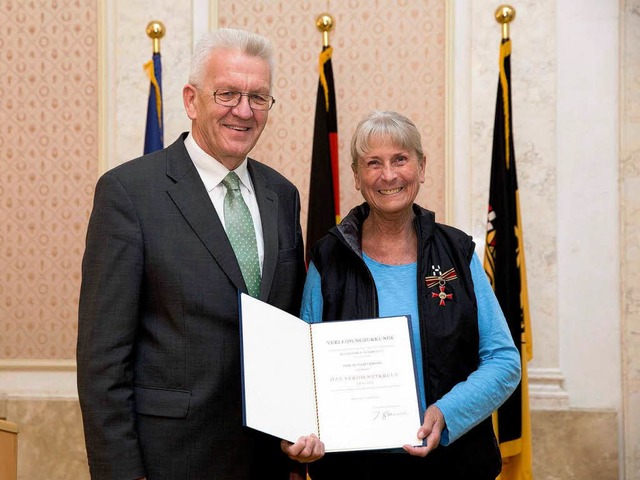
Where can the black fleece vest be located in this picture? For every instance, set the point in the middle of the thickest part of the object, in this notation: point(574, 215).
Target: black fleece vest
point(448, 315)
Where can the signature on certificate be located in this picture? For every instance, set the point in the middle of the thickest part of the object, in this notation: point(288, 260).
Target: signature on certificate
point(385, 414)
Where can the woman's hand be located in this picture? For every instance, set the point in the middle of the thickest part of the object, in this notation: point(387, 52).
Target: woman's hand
point(430, 430)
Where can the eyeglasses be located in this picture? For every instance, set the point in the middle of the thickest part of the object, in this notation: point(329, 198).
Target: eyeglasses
point(257, 101)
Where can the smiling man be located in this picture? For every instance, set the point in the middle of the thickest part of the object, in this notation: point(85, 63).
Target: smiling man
point(228, 102)
point(173, 236)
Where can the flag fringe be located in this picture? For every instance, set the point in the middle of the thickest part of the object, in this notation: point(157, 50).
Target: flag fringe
point(149, 68)
point(325, 56)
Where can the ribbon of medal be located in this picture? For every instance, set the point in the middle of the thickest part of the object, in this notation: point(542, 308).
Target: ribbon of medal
point(440, 280)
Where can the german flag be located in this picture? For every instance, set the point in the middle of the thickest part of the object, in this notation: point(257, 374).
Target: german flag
point(504, 264)
point(324, 187)
point(153, 137)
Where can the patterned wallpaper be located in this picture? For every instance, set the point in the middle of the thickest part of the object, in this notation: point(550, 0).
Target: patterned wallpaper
point(387, 55)
point(48, 167)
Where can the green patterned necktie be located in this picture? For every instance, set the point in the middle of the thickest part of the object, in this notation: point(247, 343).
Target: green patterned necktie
point(241, 233)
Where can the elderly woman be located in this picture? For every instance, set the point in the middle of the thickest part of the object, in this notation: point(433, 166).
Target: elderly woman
point(389, 257)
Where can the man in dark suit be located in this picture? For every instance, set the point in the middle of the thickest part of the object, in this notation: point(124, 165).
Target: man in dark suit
point(158, 355)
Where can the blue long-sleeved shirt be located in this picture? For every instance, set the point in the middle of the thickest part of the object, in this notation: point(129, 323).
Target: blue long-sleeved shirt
point(498, 373)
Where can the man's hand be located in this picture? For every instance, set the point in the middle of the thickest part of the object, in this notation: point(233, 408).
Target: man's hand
point(305, 450)
point(431, 429)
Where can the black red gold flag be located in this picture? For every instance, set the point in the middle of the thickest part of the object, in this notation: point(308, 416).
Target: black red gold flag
point(153, 137)
point(324, 186)
point(504, 262)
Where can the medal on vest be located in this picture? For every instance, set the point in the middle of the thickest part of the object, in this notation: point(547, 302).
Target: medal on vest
point(440, 280)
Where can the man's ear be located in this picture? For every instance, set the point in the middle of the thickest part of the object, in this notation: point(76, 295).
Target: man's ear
point(189, 97)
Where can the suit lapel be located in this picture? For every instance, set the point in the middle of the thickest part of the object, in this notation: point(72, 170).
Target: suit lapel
point(268, 205)
point(192, 199)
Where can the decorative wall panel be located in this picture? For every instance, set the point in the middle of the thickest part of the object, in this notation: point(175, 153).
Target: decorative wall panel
point(630, 238)
point(48, 168)
point(388, 55)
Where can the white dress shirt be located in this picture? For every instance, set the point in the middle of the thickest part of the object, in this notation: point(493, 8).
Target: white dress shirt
point(212, 172)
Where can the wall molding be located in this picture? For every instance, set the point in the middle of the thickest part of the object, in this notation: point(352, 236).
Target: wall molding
point(546, 389)
point(51, 379)
point(57, 379)
point(204, 18)
point(107, 79)
point(458, 118)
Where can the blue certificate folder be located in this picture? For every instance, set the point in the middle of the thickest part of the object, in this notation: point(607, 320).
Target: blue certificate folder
point(352, 383)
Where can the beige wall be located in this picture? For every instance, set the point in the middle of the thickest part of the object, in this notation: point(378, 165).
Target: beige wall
point(630, 238)
point(374, 68)
point(48, 164)
point(50, 142)
point(72, 102)
point(567, 445)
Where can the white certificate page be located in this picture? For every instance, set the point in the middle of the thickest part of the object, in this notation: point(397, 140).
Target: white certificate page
point(366, 384)
point(277, 374)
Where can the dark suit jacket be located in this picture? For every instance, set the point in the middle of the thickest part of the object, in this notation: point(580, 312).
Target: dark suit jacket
point(158, 336)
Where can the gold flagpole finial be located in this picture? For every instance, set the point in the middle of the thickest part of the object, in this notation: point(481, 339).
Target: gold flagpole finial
point(325, 24)
point(155, 31)
point(505, 14)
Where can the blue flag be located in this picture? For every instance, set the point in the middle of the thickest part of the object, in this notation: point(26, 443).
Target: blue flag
point(153, 137)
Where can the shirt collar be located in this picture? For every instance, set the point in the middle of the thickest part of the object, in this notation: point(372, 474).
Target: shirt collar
point(211, 170)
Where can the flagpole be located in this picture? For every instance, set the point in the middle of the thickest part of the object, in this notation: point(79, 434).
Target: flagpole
point(324, 23)
point(155, 31)
point(154, 137)
point(505, 14)
point(324, 182)
point(505, 265)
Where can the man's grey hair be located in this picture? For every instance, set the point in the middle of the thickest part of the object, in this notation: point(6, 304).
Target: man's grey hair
point(248, 43)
